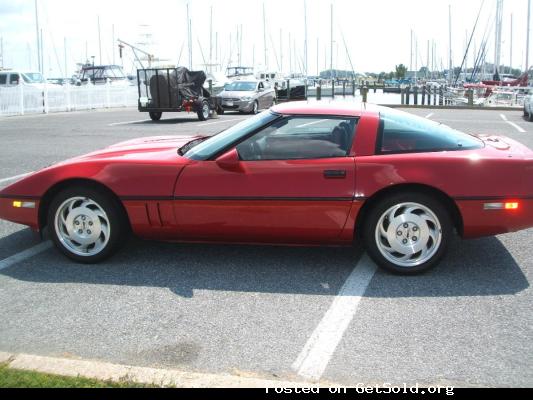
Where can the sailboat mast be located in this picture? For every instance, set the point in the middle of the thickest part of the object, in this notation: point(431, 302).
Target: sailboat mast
point(450, 72)
point(37, 30)
point(331, 44)
point(528, 31)
point(265, 37)
point(305, 40)
point(511, 48)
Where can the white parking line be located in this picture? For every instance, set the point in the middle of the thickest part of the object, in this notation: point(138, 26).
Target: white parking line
point(429, 116)
point(129, 122)
point(219, 122)
point(317, 352)
point(24, 255)
point(518, 128)
point(14, 178)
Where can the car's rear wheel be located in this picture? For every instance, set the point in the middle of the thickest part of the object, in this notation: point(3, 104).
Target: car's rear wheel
point(407, 233)
point(86, 225)
point(155, 115)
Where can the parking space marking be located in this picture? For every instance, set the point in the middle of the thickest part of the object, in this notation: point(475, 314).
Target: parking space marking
point(429, 116)
point(129, 122)
point(219, 122)
point(14, 178)
point(317, 352)
point(24, 255)
point(518, 128)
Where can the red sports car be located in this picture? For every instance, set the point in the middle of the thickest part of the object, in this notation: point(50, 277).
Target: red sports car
point(299, 174)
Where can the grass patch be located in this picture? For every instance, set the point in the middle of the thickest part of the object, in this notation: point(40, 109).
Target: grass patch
point(15, 378)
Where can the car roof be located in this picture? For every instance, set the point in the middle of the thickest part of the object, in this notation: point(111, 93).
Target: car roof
point(349, 109)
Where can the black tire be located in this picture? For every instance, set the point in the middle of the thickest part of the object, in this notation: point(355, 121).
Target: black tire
point(155, 115)
point(530, 116)
point(525, 112)
point(255, 108)
point(203, 111)
point(117, 224)
point(220, 111)
point(370, 240)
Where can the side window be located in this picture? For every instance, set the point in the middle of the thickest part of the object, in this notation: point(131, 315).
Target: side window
point(14, 79)
point(3, 79)
point(404, 133)
point(294, 138)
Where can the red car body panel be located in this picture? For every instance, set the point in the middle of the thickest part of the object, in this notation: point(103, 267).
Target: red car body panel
point(170, 197)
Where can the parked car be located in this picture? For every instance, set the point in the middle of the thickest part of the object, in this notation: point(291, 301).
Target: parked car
point(11, 78)
point(528, 106)
point(247, 96)
point(298, 174)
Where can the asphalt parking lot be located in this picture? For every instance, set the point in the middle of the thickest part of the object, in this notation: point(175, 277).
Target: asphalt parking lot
point(271, 312)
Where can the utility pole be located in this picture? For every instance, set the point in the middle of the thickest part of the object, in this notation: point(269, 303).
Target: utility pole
point(37, 31)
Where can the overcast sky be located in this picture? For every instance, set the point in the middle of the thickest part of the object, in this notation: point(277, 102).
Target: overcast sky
point(377, 32)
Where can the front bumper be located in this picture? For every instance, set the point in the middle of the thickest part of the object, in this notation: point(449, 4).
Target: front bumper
point(21, 215)
point(240, 105)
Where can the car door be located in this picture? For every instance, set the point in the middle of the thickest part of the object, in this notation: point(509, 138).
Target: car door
point(292, 182)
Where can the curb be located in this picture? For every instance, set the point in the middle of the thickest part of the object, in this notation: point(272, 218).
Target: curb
point(106, 371)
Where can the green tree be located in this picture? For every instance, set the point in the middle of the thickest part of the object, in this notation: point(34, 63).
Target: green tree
point(401, 70)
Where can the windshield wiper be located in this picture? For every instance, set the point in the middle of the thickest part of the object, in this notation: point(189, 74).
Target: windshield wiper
point(184, 149)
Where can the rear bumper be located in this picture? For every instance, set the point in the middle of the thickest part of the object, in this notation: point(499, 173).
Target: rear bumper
point(23, 215)
point(479, 222)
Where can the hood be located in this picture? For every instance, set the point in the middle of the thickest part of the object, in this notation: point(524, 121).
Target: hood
point(226, 93)
point(149, 149)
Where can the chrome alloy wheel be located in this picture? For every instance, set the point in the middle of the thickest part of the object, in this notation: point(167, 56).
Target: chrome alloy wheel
point(82, 226)
point(408, 234)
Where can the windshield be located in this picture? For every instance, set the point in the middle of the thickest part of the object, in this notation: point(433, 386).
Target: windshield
point(240, 86)
point(32, 77)
point(215, 144)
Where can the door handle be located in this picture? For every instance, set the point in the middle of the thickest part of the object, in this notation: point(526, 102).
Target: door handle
point(335, 174)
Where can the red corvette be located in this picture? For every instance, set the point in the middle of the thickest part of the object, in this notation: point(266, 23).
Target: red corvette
point(297, 174)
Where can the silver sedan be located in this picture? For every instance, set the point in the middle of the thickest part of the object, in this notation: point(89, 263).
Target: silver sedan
point(247, 96)
point(528, 106)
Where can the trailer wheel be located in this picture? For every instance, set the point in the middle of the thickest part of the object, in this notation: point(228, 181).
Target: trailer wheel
point(155, 115)
point(203, 111)
point(220, 111)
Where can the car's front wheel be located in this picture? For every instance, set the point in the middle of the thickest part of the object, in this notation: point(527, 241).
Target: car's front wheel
point(86, 225)
point(407, 233)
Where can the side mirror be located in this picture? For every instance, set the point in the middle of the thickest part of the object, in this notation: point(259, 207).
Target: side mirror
point(230, 161)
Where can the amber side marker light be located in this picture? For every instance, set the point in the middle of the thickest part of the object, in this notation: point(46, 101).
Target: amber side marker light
point(23, 204)
point(509, 205)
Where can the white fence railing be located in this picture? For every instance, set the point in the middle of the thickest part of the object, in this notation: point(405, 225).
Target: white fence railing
point(23, 99)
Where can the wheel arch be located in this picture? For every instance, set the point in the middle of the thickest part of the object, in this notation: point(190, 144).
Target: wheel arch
point(48, 197)
point(447, 201)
